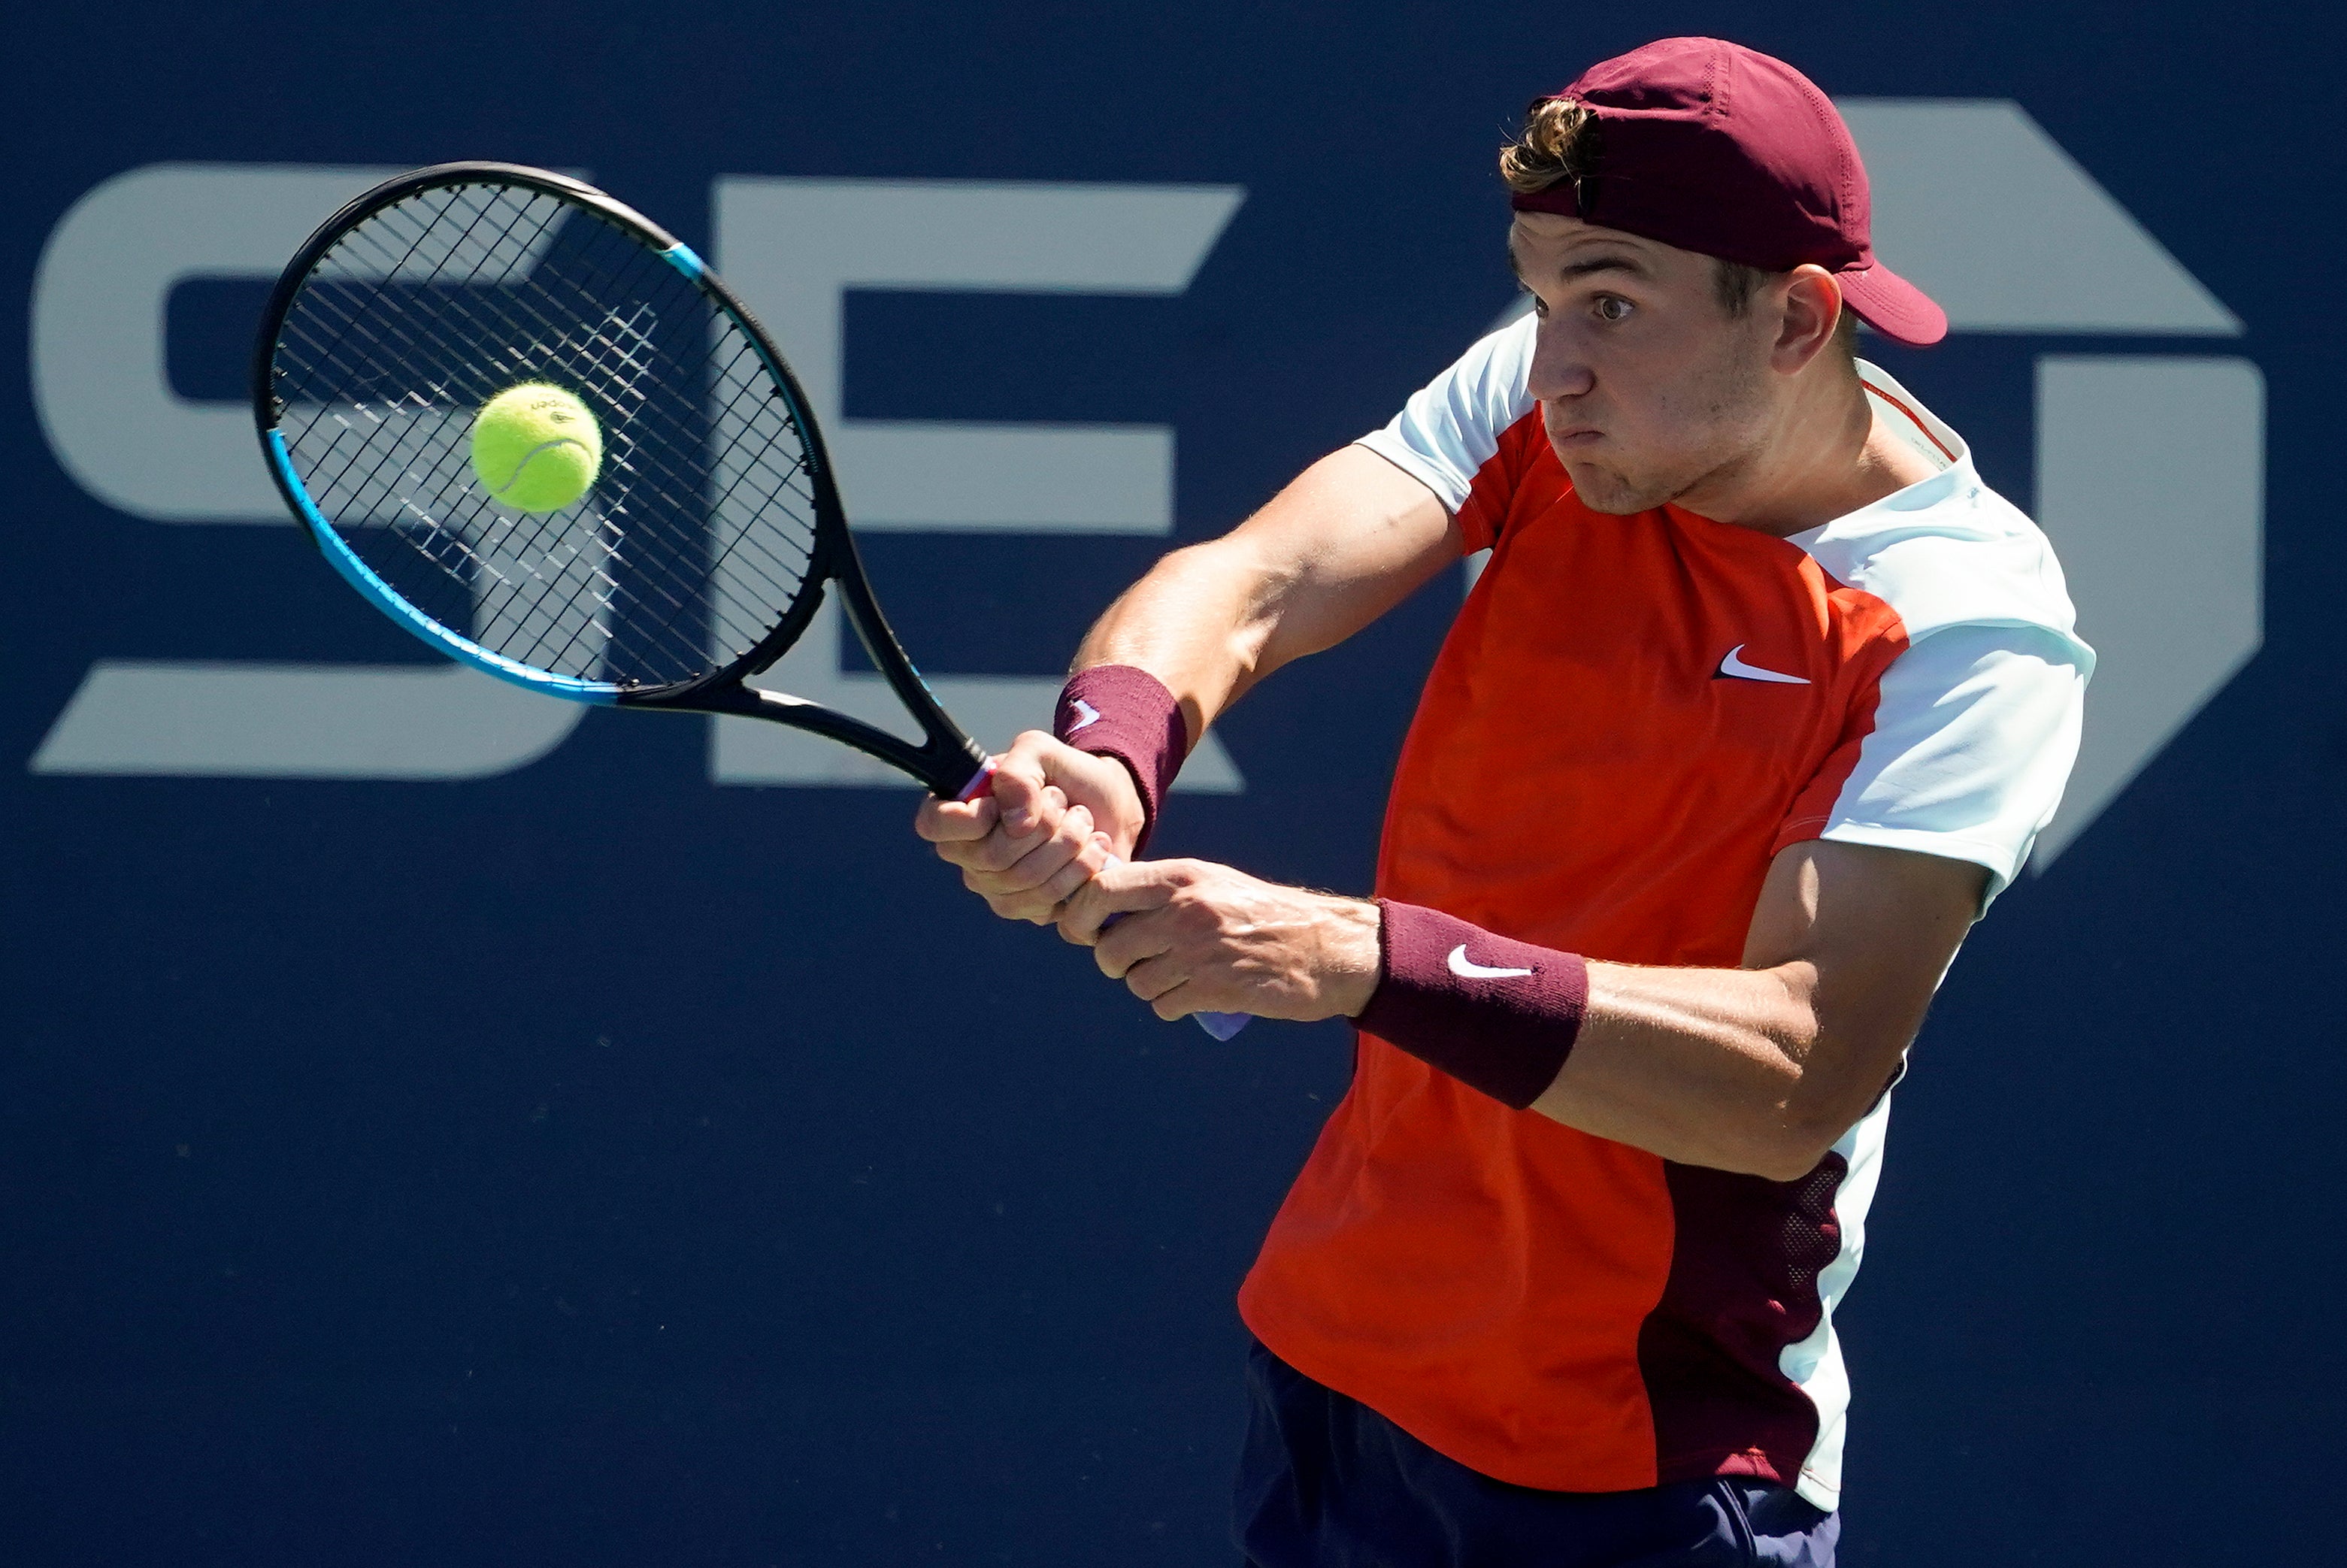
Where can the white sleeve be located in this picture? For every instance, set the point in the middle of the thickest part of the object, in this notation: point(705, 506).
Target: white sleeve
point(1975, 729)
point(1449, 429)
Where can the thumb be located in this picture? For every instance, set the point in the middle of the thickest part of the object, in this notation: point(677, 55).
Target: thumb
point(1021, 792)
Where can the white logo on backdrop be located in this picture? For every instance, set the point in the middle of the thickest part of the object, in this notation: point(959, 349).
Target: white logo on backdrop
point(2150, 468)
point(796, 248)
point(106, 403)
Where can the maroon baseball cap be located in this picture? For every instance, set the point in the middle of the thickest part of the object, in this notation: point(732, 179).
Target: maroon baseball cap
point(1709, 146)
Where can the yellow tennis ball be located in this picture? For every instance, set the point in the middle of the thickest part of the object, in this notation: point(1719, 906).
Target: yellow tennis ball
point(535, 447)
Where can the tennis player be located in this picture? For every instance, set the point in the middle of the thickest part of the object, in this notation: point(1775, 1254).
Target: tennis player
point(1761, 699)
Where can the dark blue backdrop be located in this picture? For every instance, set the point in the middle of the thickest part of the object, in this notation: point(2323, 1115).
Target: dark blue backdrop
point(598, 1166)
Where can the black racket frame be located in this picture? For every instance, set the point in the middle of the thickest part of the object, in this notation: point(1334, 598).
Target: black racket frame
point(946, 760)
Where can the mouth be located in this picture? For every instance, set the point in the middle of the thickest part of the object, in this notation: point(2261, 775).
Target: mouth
point(1564, 437)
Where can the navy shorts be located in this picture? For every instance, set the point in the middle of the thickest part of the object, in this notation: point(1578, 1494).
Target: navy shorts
point(1327, 1482)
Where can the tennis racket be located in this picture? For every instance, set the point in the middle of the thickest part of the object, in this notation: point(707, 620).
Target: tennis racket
point(712, 527)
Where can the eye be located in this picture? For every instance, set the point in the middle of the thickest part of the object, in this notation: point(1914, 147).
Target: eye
point(1610, 308)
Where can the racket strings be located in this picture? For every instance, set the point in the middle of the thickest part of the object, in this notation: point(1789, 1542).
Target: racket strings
point(620, 345)
point(777, 586)
point(514, 556)
point(779, 581)
point(699, 531)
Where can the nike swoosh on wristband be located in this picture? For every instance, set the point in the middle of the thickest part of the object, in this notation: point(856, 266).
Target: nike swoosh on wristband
point(1467, 968)
point(1733, 665)
point(1091, 716)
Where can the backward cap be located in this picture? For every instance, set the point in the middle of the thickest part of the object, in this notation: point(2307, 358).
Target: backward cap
point(1709, 146)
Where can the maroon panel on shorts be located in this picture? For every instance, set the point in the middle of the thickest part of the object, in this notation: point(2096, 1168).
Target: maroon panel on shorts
point(1743, 1286)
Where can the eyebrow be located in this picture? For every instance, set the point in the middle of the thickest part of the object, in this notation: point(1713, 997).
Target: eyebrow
point(1618, 261)
point(1610, 261)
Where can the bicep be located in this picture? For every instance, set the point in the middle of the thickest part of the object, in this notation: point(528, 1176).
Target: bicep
point(1865, 934)
point(1367, 526)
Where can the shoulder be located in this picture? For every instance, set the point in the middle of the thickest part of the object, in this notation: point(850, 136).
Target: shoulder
point(1949, 551)
point(1452, 427)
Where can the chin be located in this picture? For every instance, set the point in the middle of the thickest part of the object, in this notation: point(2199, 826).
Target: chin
point(1605, 490)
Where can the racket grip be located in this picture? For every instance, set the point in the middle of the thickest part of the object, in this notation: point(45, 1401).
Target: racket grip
point(980, 782)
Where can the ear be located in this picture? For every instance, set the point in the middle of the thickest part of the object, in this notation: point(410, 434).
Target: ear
point(1811, 310)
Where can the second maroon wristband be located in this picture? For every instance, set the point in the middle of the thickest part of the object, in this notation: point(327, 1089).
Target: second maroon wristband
point(1121, 711)
point(1497, 1014)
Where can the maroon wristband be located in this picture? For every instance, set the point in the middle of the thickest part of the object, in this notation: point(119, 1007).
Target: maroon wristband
point(1117, 711)
point(1496, 1014)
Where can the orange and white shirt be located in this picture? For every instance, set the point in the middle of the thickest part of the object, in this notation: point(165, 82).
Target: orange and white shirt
point(1632, 715)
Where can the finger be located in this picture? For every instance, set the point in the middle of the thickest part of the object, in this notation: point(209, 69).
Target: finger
point(1132, 939)
point(1048, 858)
point(1179, 1002)
point(1154, 979)
point(1033, 889)
point(1021, 791)
point(1002, 849)
point(956, 821)
point(1119, 889)
point(1045, 855)
point(1071, 876)
point(1026, 906)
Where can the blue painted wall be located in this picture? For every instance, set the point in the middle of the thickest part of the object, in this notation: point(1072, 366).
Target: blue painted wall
point(594, 1164)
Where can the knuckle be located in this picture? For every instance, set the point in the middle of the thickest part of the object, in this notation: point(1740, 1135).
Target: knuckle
point(1018, 878)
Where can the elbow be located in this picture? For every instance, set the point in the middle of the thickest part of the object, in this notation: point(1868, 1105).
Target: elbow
point(1790, 1151)
point(1794, 1133)
point(1806, 1110)
point(1773, 1140)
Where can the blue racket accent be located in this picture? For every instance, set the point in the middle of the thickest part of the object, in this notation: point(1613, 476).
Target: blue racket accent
point(682, 257)
point(381, 594)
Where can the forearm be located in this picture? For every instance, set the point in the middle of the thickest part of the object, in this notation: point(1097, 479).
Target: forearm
point(1760, 1068)
point(1704, 1066)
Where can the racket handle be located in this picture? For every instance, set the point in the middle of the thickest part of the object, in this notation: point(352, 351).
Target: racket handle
point(980, 782)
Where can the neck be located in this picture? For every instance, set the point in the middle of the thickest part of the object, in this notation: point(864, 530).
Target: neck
point(1822, 455)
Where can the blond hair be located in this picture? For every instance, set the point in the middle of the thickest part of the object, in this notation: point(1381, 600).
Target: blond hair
point(1559, 142)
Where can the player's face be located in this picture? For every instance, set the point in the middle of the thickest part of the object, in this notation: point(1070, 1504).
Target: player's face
point(1650, 390)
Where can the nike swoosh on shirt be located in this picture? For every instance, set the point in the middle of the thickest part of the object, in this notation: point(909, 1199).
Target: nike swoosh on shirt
point(1734, 665)
point(1091, 716)
point(1467, 968)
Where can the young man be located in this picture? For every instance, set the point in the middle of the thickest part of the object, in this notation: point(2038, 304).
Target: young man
point(1760, 700)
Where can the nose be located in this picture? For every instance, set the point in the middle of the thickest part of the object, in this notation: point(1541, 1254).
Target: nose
point(1558, 369)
